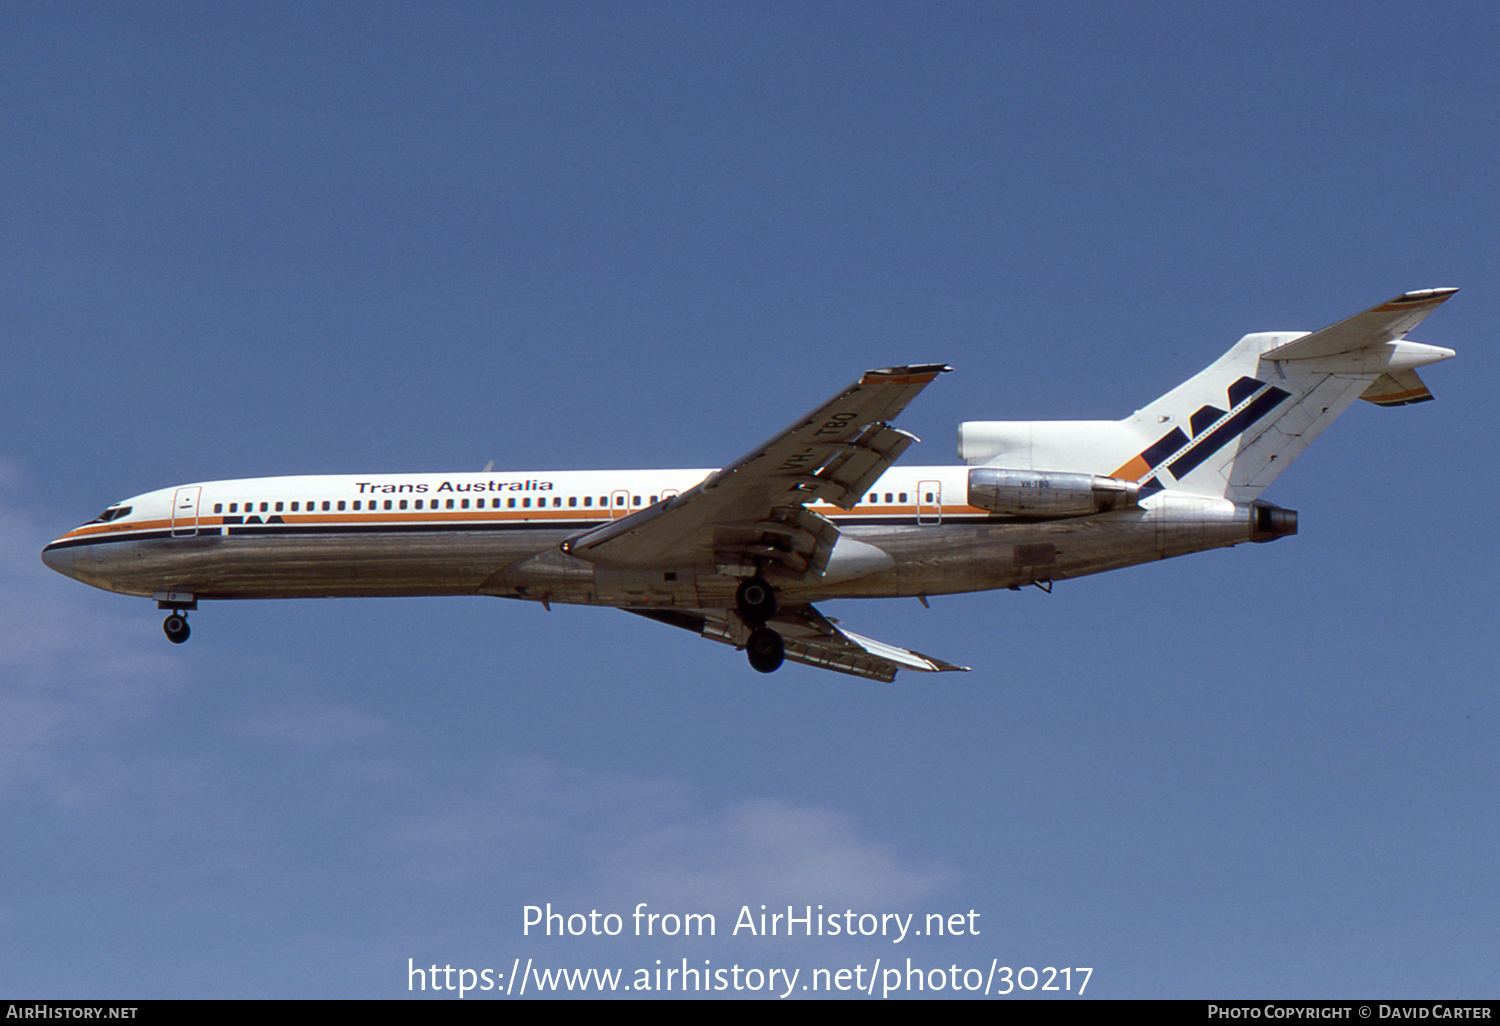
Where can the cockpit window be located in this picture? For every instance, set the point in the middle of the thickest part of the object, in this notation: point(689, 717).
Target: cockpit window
point(113, 513)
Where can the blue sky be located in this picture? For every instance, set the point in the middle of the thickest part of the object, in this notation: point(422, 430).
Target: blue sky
point(265, 239)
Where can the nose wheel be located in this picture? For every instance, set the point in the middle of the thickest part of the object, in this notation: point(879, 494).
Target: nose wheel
point(175, 626)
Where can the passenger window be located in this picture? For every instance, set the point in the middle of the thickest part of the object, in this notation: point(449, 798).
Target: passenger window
point(464, 504)
point(635, 500)
point(278, 507)
point(294, 507)
point(512, 504)
point(265, 507)
point(572, 500)
point(888, 497)
point(526, 503)
point(356, 504)
point(588, 500)
point(387, 503)
point(218, 507)
point(341, 505)
point(903, 496)
point(325, 505)
point(402, 504)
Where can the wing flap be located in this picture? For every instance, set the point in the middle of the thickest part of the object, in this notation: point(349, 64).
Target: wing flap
point(810, 638)
point(852, 467)
point(794, 540)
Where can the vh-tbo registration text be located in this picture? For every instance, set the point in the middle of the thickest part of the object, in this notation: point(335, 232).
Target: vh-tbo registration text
point(847, 923)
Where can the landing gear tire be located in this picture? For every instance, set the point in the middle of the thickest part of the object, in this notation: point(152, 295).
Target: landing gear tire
point(765, 649)
point(176, 628)
point(756, 602)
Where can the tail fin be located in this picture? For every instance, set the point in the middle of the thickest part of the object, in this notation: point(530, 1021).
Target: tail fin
point(1231, 429)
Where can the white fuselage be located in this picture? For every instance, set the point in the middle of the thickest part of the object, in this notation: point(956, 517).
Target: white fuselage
point(913, 533)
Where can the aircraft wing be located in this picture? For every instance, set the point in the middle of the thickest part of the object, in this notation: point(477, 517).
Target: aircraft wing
point(809, 637)
point(1384, 323)
point(754, 511)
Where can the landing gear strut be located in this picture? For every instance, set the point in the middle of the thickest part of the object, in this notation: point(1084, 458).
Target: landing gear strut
point(176, 627)
point(765, 649)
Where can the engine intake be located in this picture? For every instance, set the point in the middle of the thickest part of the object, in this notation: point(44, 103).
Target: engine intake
point(1033, 493)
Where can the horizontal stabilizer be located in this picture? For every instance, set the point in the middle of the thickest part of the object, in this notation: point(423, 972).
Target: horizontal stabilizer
point(1387, 322)
point(1400, 388)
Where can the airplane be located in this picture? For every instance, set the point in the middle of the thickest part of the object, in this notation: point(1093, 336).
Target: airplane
point(739, 555)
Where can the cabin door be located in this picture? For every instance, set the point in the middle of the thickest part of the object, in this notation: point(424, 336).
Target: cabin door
point(929, 502)
point(185, 512)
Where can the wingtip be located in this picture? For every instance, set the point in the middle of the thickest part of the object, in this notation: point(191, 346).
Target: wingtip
point(1423, 296)
point(911, 372)
point(942, 666)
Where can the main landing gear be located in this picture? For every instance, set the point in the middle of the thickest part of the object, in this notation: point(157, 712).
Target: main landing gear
point(756, 602)
point(176, 627)
point(765, 649)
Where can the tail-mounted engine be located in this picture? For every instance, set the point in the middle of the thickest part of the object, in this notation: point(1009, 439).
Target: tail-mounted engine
point(1269, 522)
point(1032, 493)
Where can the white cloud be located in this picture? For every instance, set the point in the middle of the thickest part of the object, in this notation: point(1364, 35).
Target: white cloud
point(631, 839)
point(766, 850)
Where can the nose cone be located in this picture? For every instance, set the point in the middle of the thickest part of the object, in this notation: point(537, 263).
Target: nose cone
point(60, 559)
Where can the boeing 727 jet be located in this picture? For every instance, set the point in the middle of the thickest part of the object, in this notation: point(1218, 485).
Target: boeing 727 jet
point(741, 554)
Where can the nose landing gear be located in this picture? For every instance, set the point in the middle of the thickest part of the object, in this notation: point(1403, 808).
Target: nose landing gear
point(176, 627)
